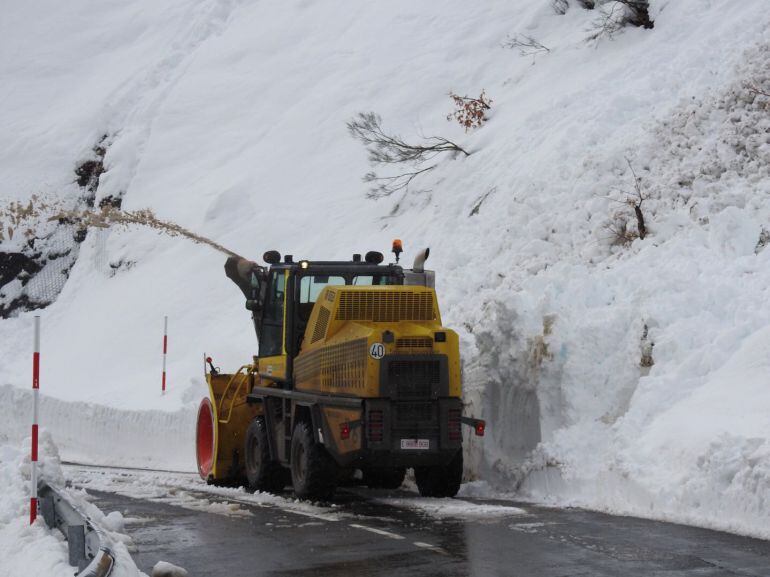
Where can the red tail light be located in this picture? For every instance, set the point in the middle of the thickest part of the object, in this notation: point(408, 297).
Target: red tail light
point(375, 426)
point(345, 431)
point(480, 428)
point(453, 425)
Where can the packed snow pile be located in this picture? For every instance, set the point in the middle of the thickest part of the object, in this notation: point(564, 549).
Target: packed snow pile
point(164, 569)
point(90, 433)
point(36, 550)
point(644, 389)
point(619, 367)
point(27, 549)
point(454, 508)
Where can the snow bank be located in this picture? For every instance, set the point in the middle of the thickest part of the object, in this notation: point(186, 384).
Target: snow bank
point(27, 549)
point(643, 390)
point(35, 550)
point(164, 569)
point(617, 374)
point(704, 460)
point(91, 433)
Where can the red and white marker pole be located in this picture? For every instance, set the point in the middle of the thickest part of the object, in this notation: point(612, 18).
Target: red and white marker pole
point(165, 351)
point(36, 400)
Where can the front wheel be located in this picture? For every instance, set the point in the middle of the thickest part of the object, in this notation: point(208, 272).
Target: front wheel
point(313, 471)
point(440, 480)
point(262, 473)
point(204, 441)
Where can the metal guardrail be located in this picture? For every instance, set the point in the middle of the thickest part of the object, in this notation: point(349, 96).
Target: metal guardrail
point(88, 550)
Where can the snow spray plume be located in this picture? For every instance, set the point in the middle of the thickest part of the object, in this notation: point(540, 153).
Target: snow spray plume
point(109, 216)
point(17, 215)
point(20, 216)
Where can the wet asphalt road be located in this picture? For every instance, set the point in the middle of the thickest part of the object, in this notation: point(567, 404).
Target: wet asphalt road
point(377, 539)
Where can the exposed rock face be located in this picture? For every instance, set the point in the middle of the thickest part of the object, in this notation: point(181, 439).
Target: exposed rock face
point(32, 276)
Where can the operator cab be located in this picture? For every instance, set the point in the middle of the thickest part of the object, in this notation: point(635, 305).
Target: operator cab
point(284, 319)
point(282, 297)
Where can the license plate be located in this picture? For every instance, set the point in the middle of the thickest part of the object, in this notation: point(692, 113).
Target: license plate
point(419, 444)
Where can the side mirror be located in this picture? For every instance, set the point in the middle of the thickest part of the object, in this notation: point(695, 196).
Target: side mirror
point(272, 257)
point(252, 305)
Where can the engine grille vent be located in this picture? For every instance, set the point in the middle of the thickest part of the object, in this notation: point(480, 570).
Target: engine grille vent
point(414, 379)
point(321, 324)
point(385, 306)
point(414, 345)
point(342, 366)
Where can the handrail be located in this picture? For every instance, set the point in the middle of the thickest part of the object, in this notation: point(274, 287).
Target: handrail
point(88, 545)
point(244, 378)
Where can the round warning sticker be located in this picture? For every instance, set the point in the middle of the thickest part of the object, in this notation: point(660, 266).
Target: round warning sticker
point(377, 351)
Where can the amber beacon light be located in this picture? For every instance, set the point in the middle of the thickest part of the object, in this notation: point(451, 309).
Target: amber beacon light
point(398, 248)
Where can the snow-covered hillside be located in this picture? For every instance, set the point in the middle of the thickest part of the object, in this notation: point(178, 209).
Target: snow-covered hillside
point(627, 376)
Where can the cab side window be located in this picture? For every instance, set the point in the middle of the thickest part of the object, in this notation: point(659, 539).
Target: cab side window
point(271, 339)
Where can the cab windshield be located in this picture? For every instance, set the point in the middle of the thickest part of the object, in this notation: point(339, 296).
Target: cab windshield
point(310, 286)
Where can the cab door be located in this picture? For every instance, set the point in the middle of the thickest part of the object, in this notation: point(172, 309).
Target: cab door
point(272, 353)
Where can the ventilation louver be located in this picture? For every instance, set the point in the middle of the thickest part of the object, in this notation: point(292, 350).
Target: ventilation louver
point(385, 306)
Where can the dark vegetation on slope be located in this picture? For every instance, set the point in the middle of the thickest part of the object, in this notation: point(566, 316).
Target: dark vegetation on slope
point(32, 278)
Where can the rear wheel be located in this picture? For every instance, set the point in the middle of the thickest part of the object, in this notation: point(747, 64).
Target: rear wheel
point(262, 473)
point(442, 480)
point(313, 471)
point(384, 478)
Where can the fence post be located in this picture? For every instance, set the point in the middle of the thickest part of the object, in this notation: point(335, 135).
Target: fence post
point(35, 403)
point(165, 351)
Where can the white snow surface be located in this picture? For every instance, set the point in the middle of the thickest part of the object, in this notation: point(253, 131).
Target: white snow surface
point(188, 491)
point(454, 508)
point(229, 118)
point(165, 569)
point(91, 433)
point(36, 550)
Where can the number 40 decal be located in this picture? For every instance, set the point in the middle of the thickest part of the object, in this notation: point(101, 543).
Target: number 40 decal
point(377, 351)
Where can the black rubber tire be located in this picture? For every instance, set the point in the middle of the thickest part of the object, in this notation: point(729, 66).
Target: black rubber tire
point(384, 478)
point(442, 480)
point(313, 471)
point(262, 473)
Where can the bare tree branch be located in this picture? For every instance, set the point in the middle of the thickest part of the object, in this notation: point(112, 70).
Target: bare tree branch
point(387, 185)
point(754, 89)
point(526, 45)
point(618, 227)
point(637, 204)
point(389, 149)
point(620, 14)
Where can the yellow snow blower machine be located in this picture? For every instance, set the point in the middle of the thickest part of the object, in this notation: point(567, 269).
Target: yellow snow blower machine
point(355, 372)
